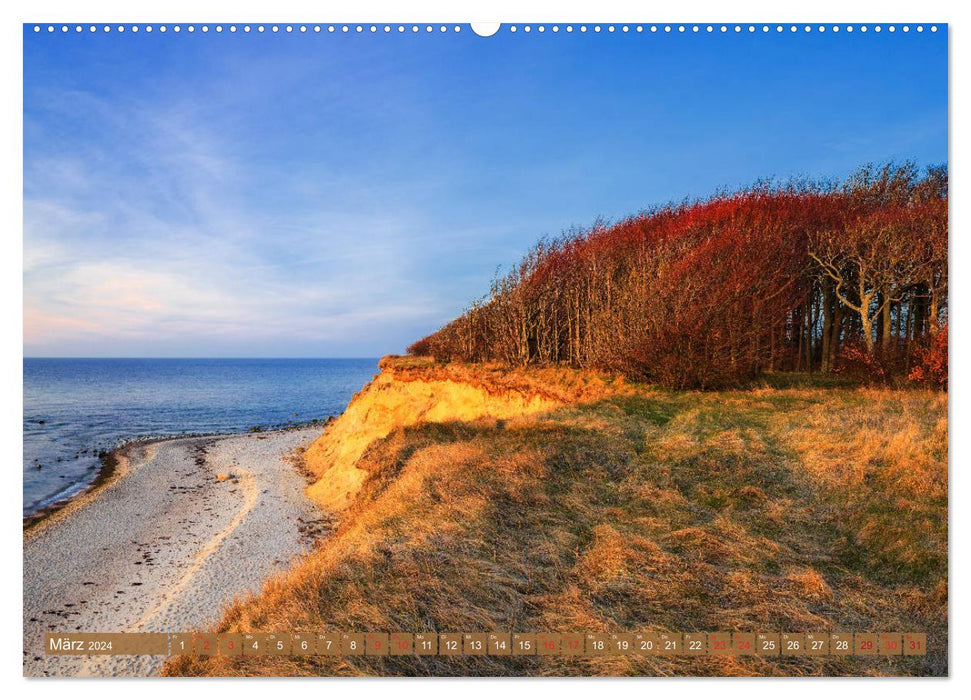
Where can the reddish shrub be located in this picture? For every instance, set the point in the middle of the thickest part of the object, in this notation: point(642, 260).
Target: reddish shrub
point(930, 365)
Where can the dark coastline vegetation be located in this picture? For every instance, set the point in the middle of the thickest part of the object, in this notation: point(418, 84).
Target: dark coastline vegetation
point(848, 277)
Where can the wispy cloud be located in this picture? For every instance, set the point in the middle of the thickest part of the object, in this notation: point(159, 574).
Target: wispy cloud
point(154, 235)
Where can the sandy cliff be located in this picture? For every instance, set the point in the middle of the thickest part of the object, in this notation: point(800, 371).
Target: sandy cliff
point(406, 394)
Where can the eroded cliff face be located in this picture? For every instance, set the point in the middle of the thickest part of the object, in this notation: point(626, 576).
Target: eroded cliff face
point(401, 397)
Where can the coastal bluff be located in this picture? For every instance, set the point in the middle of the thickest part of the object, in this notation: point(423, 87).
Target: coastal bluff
point(476, 497)
point(413, 390)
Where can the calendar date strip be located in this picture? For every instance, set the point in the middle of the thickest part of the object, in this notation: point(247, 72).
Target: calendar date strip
point(766, 644)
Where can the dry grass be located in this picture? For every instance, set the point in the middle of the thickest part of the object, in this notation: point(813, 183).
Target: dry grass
point(791, 509)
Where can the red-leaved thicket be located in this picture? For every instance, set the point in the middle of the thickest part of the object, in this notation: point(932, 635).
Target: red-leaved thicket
point(849, 277)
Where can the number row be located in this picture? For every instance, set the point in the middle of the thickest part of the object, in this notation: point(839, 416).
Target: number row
point(496, 644)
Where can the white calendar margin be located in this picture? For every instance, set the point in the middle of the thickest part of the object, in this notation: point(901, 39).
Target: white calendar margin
point(16, 12)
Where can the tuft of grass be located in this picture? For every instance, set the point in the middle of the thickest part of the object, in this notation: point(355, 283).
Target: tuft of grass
point(808, 508)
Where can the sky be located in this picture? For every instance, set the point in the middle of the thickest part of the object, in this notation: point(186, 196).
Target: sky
point(342, 195)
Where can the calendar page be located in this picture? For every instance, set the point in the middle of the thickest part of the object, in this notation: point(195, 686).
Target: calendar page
point(427, 348)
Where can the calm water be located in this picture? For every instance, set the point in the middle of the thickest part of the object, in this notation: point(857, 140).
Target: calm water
point(75, 407)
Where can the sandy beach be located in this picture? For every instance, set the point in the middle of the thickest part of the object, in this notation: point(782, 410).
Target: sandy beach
point(166, 544)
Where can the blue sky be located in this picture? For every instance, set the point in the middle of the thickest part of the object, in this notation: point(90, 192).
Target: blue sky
point(318, 195)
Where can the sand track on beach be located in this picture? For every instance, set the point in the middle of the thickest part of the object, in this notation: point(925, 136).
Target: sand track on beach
point(166, 546)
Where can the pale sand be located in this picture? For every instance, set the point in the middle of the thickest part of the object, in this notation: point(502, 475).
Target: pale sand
point(165, 546)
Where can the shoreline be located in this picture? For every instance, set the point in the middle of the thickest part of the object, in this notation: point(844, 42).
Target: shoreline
point(116, 463)
point(175, 530)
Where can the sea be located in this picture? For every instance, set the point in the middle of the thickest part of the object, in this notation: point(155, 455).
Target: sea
point(76, 409)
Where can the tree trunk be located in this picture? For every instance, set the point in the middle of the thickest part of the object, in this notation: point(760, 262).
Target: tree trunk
point(810, 325)
point(866, 326)
point(909, 324)
point(934, 312)
point(885, 322)
point(834, 343)
point(917, 328)
point(798, 328)
point(827, 323)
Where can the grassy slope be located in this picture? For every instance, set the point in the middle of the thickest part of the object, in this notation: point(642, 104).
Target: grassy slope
point(791, 508)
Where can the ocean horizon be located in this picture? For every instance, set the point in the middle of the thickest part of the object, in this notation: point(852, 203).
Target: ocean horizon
point(76, 408)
